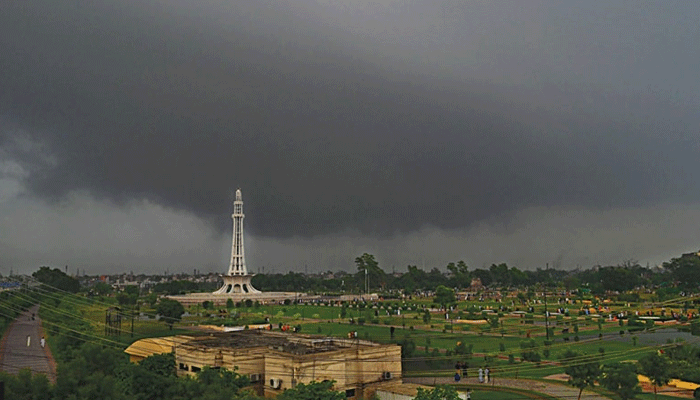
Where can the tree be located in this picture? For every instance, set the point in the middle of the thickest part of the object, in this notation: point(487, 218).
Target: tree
point(161, 364)
point(132, 290)
point(483, 275)
point(57, 279)
point(408, 347)
point(368, 267)
point(500, 274)
point(149, 379)
point(26, 386)
point(312, 391)
point(529, 351)
point(440, 392)
point(413, 279)
point(170, 311)
point(126, 299)
point(90, 373)
point(517, 277)
point(152, 299)
point(224, 383)
point(444, 296)
point(685, 269)
point(582, 370)
point(102, 288)
point(656, 368)
point(621, 379)
point(460, 273)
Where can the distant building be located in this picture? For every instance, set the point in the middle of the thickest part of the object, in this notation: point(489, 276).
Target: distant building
point(693, 254)
point(275, 361)
point(476, 284)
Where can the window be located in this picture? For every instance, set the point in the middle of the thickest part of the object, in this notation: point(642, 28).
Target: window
point(350, 393)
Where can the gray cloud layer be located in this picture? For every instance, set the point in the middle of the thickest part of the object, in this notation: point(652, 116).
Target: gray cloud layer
point(377, 117)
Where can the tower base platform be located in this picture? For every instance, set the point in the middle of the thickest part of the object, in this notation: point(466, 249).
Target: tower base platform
point(237, 284)
point(221, 299)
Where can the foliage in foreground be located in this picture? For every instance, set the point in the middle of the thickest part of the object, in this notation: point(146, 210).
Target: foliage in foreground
point(583, 371)
point(312, 391)
point(440, 392)
point(96, 372)
point(621, 379)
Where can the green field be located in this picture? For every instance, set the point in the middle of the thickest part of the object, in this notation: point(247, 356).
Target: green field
point(434, 343)
point(436, 340)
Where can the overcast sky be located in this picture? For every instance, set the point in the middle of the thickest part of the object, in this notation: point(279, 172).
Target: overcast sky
point(423, 132)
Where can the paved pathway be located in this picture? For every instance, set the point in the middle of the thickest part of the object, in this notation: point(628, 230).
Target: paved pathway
point(553, 389)
point(17, 352)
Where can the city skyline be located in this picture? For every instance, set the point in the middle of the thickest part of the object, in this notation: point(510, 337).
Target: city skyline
point(526, 133)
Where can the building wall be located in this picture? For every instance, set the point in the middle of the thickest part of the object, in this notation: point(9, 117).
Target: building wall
point(351, 368)
point(244, 361)
point(360, 367)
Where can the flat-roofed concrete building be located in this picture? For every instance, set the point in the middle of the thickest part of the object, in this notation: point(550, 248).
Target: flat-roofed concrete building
point(276, 361)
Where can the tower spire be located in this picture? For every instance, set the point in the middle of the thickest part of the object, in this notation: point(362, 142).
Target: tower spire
point(237, 264)
point(237, 280)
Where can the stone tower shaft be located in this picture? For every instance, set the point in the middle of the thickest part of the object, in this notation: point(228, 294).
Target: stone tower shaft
point(237, 264)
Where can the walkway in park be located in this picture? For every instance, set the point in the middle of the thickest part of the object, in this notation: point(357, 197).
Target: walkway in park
point(18, 352)
point(559, 391)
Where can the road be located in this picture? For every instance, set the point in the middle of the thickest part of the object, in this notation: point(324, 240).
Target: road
point(16, 352)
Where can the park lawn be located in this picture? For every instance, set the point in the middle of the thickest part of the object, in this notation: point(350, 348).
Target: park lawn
point(484, 344)
point(376, 333)
point(438, 333)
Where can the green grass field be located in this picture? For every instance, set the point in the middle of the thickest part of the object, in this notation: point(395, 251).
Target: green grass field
point(435, 340)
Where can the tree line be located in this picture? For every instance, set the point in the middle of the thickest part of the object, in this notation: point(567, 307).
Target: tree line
point(678, 274)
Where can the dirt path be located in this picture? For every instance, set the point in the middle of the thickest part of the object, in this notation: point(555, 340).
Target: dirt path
point(21, 347)
point(551, 389)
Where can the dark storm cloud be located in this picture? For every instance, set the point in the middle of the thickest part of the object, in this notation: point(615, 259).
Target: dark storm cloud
point(380, 117)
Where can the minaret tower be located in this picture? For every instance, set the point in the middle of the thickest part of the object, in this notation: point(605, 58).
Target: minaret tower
point(237, 265)
point(237, 280)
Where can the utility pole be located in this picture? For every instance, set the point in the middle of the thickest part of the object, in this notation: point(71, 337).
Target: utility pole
point(367, 282)
point(546, 313)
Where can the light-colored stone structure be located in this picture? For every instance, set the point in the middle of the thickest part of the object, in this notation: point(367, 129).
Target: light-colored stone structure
point(237, 285)
point(276, 361)
point(237, 279)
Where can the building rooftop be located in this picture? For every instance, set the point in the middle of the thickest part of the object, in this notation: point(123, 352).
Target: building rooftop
point(149, 346)
point(285, 342)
